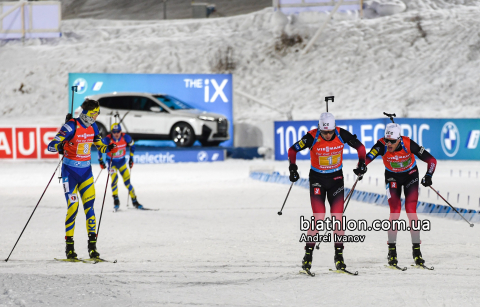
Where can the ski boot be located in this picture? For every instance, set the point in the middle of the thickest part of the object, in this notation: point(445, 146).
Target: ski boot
point(339, 264)
point(69, 249)
point(136, 204)
point(307, 261)
point(417, 254)
point(392, 254)
point(116, 202)
point(92, 246)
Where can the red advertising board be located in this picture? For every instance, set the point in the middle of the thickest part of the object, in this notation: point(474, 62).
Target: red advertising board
point(26, 142)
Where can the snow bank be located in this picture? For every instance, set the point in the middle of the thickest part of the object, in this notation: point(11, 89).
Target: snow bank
point(423, 63)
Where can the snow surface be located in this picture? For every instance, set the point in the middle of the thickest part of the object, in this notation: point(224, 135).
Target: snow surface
point(217, 241)
point(424, 62)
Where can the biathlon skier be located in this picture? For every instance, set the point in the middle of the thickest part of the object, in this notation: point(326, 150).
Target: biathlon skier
point(119, 163)
point(398, 154)
point(326, 145)
point(74, 141)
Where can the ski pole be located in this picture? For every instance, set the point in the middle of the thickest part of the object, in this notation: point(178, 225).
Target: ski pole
point(74, 89)
point(280, 212)
point(347, 199)
point(128, 192)
point(104, 195)
point(471, 225)
point(35, 208)
point(351, 192)
point(98, 176)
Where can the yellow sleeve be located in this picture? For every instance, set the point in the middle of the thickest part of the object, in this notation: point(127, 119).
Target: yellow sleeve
point(102, 147)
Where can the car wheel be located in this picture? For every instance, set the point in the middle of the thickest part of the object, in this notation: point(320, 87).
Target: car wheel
point(183, 135)
point(101, 130)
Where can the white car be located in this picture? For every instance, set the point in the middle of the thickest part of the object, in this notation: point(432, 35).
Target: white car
point(159, 117)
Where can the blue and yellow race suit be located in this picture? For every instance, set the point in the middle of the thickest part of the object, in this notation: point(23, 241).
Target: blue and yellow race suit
point(76, 170)
point(119, 163)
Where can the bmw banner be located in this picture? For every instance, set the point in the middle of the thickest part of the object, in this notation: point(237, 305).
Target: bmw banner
point(204, 92)
point(152, 155)
point(444, 138)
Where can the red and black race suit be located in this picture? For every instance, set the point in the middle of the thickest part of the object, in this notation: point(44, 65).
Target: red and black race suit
point(406, 179)
point(327, 185)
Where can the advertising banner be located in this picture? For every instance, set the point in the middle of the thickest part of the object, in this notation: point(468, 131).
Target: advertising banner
point(26, 142)
point(167, 156)
point(205, 92)
point(445, 138)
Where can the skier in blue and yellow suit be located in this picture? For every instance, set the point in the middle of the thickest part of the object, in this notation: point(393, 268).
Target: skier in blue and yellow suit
point(118, 163)
point(74, 141)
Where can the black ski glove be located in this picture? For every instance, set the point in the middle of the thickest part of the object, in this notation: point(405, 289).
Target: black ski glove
point(102, 164)
point(130, 162)
point(68, 117)
point(294, 176)
point(111, 146)
point(60, 148)
point(360, 170)
point(427, 180)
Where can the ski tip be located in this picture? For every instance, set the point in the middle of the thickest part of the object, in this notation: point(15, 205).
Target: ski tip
point(307, 273)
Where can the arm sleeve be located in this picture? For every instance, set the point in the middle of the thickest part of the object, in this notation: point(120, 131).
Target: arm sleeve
point(65, 134)
point(425, 156)
point(97, 140)
point(351, 139)
point(305, 142)
point(377, 150)
point(105, 140)
point(130, 143)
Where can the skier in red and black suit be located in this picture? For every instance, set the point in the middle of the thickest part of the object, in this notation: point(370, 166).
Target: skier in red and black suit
point(326, 177)
point(401, 171)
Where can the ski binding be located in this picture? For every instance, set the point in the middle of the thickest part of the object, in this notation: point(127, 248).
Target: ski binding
point(393, 267)
point(422, 266)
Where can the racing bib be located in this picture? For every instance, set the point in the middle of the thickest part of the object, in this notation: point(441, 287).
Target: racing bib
point(329, 160)
point(83, 149)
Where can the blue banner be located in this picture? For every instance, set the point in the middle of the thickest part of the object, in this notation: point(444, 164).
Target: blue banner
point(163, 156)
point(445, 138)
point(206, 92)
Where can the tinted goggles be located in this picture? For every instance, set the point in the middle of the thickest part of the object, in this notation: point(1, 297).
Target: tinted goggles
point(327, 132)
point(387, 141)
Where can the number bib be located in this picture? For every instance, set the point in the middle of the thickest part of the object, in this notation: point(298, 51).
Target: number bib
point(329, 160)
point(80, 145)
point(326, 156)
point(83, 148)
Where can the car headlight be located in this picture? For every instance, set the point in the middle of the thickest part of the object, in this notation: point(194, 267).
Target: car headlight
point(207, 118)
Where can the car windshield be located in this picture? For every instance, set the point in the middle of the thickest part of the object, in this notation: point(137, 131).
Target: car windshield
point(173, 103)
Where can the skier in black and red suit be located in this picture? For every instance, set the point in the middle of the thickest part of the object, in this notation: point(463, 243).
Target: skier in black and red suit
point(401, 171)
point(326, 177)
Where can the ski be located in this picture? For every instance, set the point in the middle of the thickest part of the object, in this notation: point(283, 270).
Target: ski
point(97, 260)
point(422, 266)
point(307, 272)
point(393, 267)
point(71, 260)
point(149, 209)
point(343, 272)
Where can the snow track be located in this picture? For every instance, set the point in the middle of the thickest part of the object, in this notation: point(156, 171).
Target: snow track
point(217, 241)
